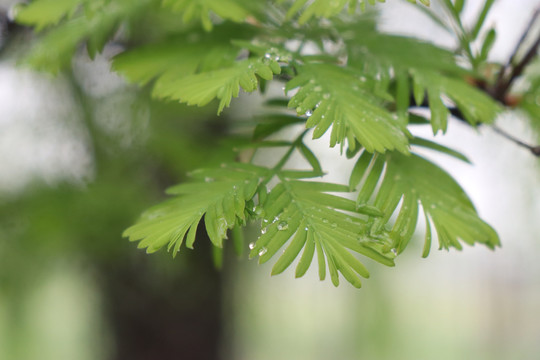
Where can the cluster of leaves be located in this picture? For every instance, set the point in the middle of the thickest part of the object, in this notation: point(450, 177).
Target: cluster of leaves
point(204, 51)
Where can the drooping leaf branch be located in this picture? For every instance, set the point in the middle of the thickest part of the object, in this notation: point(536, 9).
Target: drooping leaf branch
point(341, 76)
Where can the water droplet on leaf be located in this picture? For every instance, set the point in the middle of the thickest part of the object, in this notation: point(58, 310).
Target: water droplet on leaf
point(282, 226)
point(262, 251)
point(251, 246)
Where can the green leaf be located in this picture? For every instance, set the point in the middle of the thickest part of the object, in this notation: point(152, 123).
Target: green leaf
point(413, 180)
point(476, 106)
point(311, 158)
point(272, 123)
point(334, 96)
point(224, 84)
point(200, 9)
point(314, 219)
point(374, 52)
point(481, 18)
point(440, 148)
point(326, 8)
point(173, 59)
point(458, 5)
point(55, 49)
point(489, 40)
point(42, 13)
point(220, 195)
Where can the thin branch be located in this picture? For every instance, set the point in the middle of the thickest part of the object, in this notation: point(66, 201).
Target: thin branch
point(501, 85)
point(458, 115)
point(533, 149)
point(518, 46)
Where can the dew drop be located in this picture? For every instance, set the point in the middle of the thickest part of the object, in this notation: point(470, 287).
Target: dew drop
point(263, 231)
point(394, 251)
point(263, 251)
point(267, 56)
point(309, 113)
point(282, 226)
point(251, 246)
point(306, 228)
point(275, 219)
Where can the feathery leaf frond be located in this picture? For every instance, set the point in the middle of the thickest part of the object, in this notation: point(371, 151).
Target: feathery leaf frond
point(220, 195)
point(413, 181)
point(314, 219)
point(223, 84)
point(332, 95)
point(200, 9)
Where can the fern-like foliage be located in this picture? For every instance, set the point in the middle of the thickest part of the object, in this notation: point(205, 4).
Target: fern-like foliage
point(220, 195)
point(475, 106)
point(340, 75)
point(413, 181)
point(173, 59)
point(223, 84)
point(317, 220)
point(334, 96)
point(87, 21)
point(200, 9)
point(418, 68)
point(329, 8)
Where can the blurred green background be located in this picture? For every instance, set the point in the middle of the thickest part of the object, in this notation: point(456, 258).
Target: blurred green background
point(83, 154)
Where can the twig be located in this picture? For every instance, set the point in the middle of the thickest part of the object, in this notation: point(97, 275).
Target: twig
point(534, 149)
point(458, 115)
point(501, 85)
point(519, 44)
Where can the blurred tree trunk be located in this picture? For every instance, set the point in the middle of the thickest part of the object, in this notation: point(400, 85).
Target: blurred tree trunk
point(152, 317)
